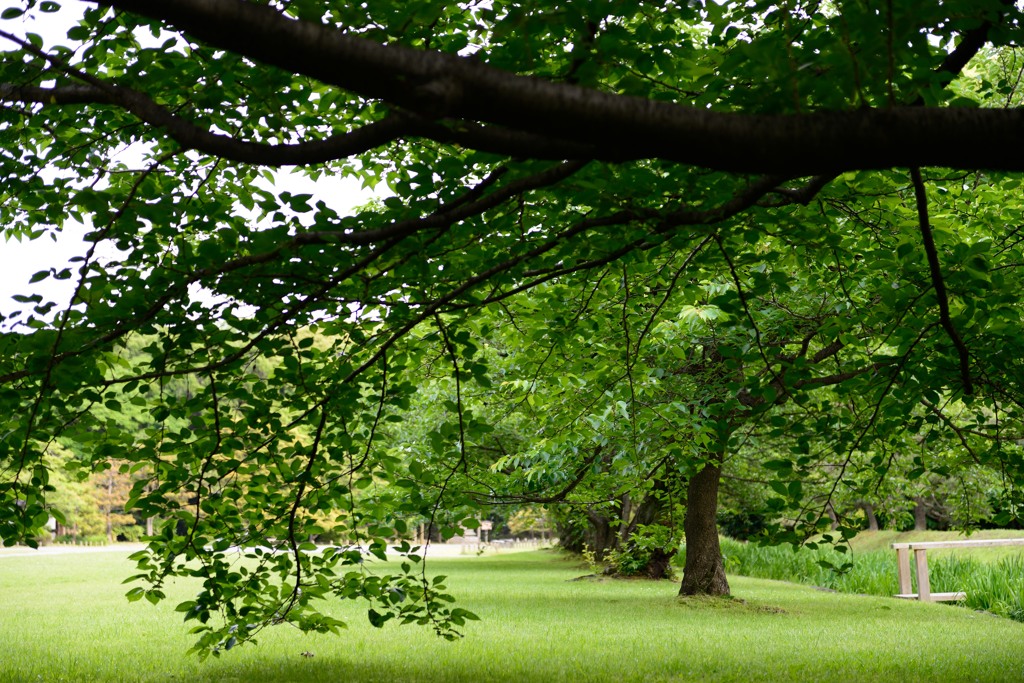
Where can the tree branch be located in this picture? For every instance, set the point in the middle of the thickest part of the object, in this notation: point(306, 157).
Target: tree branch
point(937, 282)
point(438, 86)
point(558, 497)
point(473, 204)
point(937, 411)
point(837, 378)
point(192, 136)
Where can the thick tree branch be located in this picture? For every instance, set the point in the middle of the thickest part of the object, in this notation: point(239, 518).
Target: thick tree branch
point(970, 44)
point(951, 66)
point(444, 86)
point(827, 352)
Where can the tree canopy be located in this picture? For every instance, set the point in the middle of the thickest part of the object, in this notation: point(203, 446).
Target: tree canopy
point(625, 246)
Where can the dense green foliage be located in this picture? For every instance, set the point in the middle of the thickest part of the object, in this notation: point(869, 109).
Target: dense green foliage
point(625, 247)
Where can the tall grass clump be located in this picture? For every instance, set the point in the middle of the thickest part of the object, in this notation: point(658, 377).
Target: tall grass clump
point(873, 573)
point(999, 590)
point(994, 587)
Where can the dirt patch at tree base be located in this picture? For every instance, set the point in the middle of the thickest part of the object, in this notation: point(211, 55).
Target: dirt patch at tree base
point(714, 602)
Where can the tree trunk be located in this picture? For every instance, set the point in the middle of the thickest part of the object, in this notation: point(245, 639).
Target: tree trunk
point(869, 513)
point(704, 573)
point(653, 509)
point(108, 509)
point(625, 511)
point(833, 517)
point(920, 515)
point(604, 538)
point(571, 536)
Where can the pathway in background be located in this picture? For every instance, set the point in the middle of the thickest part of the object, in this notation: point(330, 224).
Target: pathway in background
point(24, 551)
point(435, 549)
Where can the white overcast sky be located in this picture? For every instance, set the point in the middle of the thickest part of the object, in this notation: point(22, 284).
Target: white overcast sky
point(20, 260)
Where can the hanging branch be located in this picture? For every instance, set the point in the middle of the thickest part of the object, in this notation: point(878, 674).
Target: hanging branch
point(937, 282)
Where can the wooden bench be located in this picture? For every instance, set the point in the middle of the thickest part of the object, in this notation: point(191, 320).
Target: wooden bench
point(924, 589)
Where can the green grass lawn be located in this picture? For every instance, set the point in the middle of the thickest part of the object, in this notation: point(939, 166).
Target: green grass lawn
point(63, 618)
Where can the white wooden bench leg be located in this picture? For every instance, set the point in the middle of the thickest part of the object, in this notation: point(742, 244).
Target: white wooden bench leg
point(924, 588)
point(903, 570)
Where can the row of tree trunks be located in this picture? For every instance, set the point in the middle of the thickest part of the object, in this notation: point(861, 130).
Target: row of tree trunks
point(612, 530)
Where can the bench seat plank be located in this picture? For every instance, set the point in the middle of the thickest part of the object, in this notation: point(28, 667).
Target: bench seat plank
point(935, 597)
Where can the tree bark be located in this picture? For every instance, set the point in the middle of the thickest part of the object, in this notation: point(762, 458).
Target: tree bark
point(604, 538)
point(108, 508)
point(920, 515)
point(600, 125)
point(831, 512)
point(704, 573)
point(653, 509)
point(626, 511)
point(869, 513)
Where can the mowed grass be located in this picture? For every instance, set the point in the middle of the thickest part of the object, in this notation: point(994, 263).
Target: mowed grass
point(64, 618)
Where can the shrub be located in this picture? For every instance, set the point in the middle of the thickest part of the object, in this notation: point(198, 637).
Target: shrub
point(648, 552)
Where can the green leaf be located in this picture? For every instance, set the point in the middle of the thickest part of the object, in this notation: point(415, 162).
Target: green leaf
point(377, 620)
